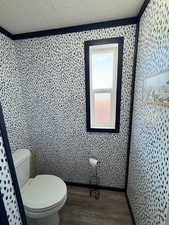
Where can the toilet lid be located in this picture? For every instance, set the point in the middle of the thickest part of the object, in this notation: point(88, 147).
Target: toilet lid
point(43, 191)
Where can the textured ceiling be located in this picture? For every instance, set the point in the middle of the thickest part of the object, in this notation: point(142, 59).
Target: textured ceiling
point(19, 16)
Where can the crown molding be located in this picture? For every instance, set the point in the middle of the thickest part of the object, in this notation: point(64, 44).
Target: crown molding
point(6, 33)
point(72, 29)
point(143, 8)
point(80, 28)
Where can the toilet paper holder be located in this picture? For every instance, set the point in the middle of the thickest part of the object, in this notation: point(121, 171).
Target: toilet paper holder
point(94, 178)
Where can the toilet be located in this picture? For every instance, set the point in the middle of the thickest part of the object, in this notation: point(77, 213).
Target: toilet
point(43, 196)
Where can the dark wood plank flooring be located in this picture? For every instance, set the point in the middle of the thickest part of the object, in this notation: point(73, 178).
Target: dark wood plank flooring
point(80, 209)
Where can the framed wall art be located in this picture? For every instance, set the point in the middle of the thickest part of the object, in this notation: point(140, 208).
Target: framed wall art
point(156, 89)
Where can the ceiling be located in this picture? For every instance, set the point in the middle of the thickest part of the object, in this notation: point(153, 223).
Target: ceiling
point(19, 16)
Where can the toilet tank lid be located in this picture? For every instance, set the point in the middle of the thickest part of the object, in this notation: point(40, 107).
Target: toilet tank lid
point(20, 155)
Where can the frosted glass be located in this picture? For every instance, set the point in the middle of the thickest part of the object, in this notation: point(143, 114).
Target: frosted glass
point(102, 107)
point(102, 70)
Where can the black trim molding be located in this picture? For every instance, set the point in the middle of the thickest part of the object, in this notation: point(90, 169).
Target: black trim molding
point(72, 29)
point(85, 27)
point(87, 44)
point(143, 8)
point(130, 210)
point(80, 28)
point(11, 166)
point(95, 186)
point(6, 33)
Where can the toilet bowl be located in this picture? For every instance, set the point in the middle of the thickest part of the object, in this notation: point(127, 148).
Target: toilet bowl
point(43, 196)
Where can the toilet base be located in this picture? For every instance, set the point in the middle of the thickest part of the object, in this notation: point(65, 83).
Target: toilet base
point(50, 220)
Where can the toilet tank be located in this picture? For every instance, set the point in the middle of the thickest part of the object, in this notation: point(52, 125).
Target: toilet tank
point(22, 162)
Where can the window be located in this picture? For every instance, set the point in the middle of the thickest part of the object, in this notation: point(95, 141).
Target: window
point(103, 67)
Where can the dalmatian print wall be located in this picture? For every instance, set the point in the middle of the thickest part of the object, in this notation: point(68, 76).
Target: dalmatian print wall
point(11, 95)
point(15, 118)
point(148, 188)
point(52, 76)
point(7, 190)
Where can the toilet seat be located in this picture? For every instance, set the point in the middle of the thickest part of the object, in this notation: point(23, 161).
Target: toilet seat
point(43, 194)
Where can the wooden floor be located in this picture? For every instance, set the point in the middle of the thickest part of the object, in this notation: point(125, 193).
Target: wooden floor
point(80, 209)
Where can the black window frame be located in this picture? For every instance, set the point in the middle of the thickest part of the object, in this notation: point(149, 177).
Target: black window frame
point(87, 44)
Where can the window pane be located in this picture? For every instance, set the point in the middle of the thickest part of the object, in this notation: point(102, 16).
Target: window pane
point(102, 70)
point(102, 104)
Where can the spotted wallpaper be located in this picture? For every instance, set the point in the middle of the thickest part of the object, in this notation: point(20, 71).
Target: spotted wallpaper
point(52, 77)
point(148, 188)
point(7, 190)
point(11, 95)
point(43, 98)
